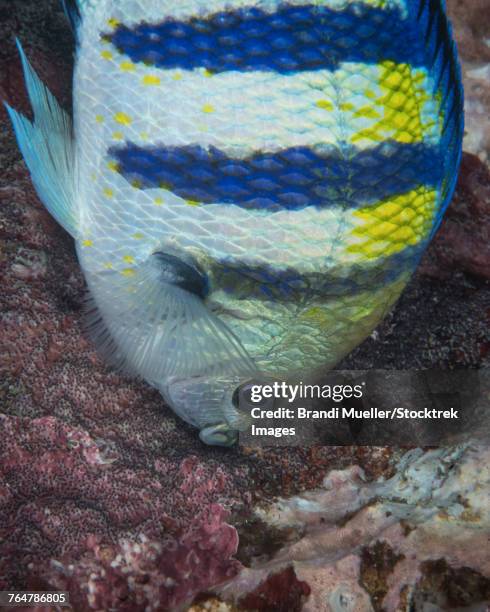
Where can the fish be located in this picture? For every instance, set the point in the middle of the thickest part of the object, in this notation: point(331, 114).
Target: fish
point(250, 184)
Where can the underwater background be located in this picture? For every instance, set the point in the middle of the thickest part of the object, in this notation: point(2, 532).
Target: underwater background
point(105, 493)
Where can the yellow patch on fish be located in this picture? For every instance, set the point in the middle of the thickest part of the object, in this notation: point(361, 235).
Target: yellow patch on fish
point(397, 110)
point(394, 223)
point(360, 310)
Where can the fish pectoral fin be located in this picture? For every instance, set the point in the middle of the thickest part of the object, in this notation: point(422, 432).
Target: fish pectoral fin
point(155, 322)
point(47, 147)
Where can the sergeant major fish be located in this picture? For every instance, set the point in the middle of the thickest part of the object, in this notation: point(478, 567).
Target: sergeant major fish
point(250, 183)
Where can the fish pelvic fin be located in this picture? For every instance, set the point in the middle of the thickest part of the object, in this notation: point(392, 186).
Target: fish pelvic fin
point(47, 147)
point(154, 322)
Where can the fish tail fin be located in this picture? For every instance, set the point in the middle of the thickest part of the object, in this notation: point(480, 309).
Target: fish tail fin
point(47, 147)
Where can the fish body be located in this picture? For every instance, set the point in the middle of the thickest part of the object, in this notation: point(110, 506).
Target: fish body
point(250, 183)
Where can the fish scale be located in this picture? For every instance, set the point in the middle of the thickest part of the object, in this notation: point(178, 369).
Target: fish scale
point(250, 183)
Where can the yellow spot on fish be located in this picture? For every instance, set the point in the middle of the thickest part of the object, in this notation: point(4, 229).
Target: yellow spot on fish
point(367, 111)
point(346, 106)
point(325, 105)
point(158, 201)
point(99, 118)
point(177, 76)
point(313, 312)
point(127, 66)
point(192, 202)
point(107, 55)
point(108, 265)
point(128, 259)
point(113, 23)
point(207, 73)
point(208, 108)
point(136, 184)
point(112, 165)
point(138, 236)
point(117, 135)
point(108, 192)
point(128, 272)
point(87, 243)
point(393, 223)
point(123, 119)
point(151, 79)
point(144, 135)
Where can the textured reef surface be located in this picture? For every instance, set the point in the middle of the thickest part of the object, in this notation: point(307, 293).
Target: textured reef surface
point(106, 494)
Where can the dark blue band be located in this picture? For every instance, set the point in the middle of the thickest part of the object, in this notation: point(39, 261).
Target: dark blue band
point(291, 39)
point(289, 179)
point(268, 283)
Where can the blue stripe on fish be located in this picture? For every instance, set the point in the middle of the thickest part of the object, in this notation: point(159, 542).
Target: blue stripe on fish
point(289, 179)
point(266, 282)
point(293, 38)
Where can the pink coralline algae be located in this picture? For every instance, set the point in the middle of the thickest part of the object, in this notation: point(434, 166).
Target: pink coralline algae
point(148, 575)
point(61, 491)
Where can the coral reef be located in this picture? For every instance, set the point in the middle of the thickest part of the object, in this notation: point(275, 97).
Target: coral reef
point(150, 575)
point(376, 545)
point(104, 492)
